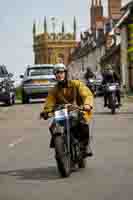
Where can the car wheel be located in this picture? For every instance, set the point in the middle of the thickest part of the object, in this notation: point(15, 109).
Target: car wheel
point(25, 98)
point(11, 99)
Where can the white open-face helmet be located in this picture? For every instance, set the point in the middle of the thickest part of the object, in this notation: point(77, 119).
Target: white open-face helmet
point(60, 67)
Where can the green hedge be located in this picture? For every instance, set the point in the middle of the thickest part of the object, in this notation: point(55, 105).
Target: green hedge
point(18, 93)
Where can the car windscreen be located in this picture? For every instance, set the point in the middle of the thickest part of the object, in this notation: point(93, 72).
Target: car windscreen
point(40, 71)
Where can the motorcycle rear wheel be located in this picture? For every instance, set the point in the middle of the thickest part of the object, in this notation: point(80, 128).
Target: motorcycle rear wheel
point(62, 157)
point(112, 103)
point(113, 111)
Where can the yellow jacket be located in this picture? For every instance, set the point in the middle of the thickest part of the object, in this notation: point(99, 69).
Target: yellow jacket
point(76, 90)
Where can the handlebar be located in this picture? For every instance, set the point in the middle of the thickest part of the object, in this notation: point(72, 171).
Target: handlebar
point(70, 107)
point(116, 83)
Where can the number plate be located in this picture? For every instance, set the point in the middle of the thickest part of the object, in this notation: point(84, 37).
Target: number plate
point(61, 114)
point(40, 81)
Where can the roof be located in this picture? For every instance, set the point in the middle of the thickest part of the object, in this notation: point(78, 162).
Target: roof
point(128, 5)
point(40, 65)
point(124, 16)
point(87, 48)
point(121, 21)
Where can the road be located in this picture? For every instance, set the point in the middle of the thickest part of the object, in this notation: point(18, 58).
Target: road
point(28, 169)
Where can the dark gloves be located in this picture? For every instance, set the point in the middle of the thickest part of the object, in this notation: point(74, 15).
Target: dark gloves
point(44, 115)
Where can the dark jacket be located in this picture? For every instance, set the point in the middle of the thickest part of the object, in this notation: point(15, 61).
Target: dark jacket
point(110, 78)
point(89, 74)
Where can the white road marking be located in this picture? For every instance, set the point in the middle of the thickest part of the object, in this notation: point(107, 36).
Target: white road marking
point(15, 142)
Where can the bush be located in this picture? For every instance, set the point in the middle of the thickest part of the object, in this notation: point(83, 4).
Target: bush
point(18, 93)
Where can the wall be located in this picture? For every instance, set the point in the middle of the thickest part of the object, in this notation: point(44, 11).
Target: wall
point(78, 67)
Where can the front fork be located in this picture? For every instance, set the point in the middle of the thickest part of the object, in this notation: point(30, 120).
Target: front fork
point(112, 99)
point(64, 131)
point(68, 136)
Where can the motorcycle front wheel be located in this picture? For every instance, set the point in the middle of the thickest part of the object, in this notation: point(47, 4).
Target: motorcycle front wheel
point(62, 157)
point(112, 103)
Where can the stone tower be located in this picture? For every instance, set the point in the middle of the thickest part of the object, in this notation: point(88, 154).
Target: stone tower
point(96, 12)
point(114, 9)
point(50, 47)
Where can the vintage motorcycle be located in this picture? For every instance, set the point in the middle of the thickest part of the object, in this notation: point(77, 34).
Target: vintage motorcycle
point(111, 89)
point(65, 137)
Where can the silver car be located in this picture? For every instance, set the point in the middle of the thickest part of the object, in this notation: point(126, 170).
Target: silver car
point(37, 81)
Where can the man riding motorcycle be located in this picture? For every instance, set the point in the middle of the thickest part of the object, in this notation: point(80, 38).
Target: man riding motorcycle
point(89, 74)
point(67, 92)
point(109, 76)
point(90, 80)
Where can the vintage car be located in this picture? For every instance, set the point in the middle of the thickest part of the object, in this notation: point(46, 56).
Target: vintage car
point(37, 80)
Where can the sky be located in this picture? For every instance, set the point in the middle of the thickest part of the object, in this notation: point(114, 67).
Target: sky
point(16, 20)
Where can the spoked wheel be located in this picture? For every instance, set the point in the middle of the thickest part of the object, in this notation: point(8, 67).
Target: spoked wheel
point(11, 99)
point(112, 102)
point(62, 158)
point(25, 98)
point(113, 110)
point(81, 162)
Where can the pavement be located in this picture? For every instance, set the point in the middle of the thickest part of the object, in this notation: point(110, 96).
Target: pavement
point(130, 98)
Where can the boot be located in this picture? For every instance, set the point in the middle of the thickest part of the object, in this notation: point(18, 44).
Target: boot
point(52, 145)
point(86, 151)
point(73, 166)
point(105, 104)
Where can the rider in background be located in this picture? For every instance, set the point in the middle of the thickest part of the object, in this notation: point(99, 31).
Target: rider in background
point(67, 92)
point(89, 74)
point(90, 80)
point(110, 76)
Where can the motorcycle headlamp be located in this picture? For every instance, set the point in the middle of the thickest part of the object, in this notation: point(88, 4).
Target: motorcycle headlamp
point(91, 80)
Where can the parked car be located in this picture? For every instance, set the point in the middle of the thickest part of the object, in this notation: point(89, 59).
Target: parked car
point(37, 80)
point(7, 89)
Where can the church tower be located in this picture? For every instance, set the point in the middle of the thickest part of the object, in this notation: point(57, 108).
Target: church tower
point(96, 15)
point(74, 28)
point(114, 9)
point(52, 47)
